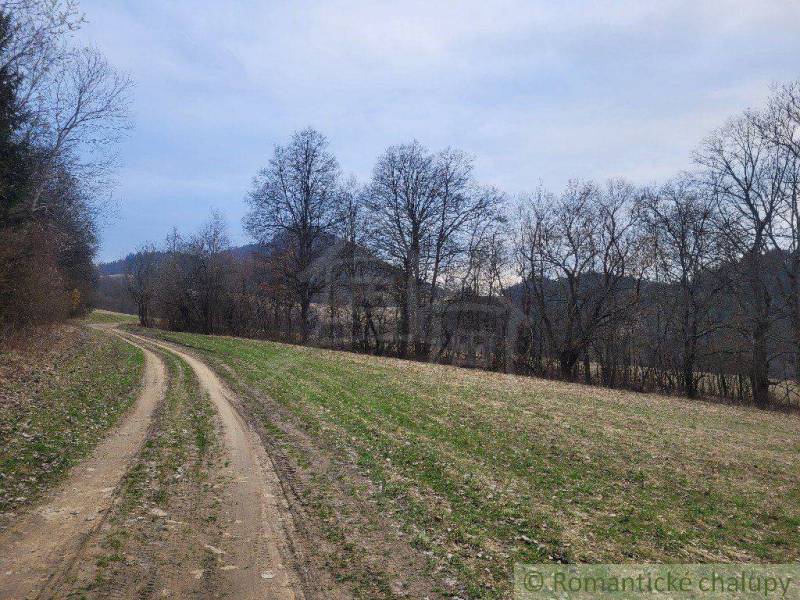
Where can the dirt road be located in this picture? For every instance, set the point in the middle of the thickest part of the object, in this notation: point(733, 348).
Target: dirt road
point(42, 551)
point(42, 544)
point(254, 507)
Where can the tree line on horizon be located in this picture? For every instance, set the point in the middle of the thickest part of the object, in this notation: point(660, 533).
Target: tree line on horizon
point(62, 108)
point(690, 287)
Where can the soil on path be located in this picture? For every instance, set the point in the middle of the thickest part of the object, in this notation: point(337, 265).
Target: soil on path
point(50, 549)
point(254, 511)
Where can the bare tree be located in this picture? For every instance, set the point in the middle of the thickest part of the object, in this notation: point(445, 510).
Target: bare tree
point(474, 316)
point(577, 253)
point(210, 272)
point(779, 123)
point(37, 34)
point(141, 275)
point(747, 175)
point(74, 102)
point(294, 207)
point(787, 236)
point(62, 108)
point(402, 204)
point(422, 207)
point(467, 218)
point(681, 219)
point(621, 267)
point(82, 112)
point(352, 238)
point(173, 298)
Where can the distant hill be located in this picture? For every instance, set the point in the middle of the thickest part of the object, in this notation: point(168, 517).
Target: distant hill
point(112, 291)
point(117, 267)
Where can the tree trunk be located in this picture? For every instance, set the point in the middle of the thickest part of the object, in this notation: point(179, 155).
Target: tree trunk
point(566, 361)
point(402, 347)
point(797, 355)
point(354, 325)
point(587, 368)
point(144, 317)
point(689, 383)
point(305, 304)
point(332, 317)
point(759, 373)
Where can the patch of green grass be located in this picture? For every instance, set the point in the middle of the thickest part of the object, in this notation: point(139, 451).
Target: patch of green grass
point(100, 316)
point(485, 469)
point(60, 408)
point(182, 438)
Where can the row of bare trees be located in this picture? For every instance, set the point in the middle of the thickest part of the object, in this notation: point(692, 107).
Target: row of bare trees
point(61, 110)
point(190, 284)
point(691, 286)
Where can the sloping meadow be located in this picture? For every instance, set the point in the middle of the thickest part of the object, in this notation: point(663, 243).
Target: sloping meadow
point(479, 470)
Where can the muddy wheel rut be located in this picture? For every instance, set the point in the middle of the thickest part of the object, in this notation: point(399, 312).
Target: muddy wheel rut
point(255, 511)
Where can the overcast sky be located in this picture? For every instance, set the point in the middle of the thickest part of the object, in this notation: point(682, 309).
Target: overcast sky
point(535, 90)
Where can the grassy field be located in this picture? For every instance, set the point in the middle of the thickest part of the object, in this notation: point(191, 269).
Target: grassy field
point(57, 399)
point(100, 316)
point(482, 469)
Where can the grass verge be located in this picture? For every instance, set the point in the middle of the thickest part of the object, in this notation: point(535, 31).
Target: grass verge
point(58, 399)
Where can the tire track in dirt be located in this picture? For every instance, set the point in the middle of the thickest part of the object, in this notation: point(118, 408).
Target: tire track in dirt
point(257, 546)
point(42, 544)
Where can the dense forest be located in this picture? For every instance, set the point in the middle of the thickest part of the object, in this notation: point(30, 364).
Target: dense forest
point(62, 108)
point(691, 286)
